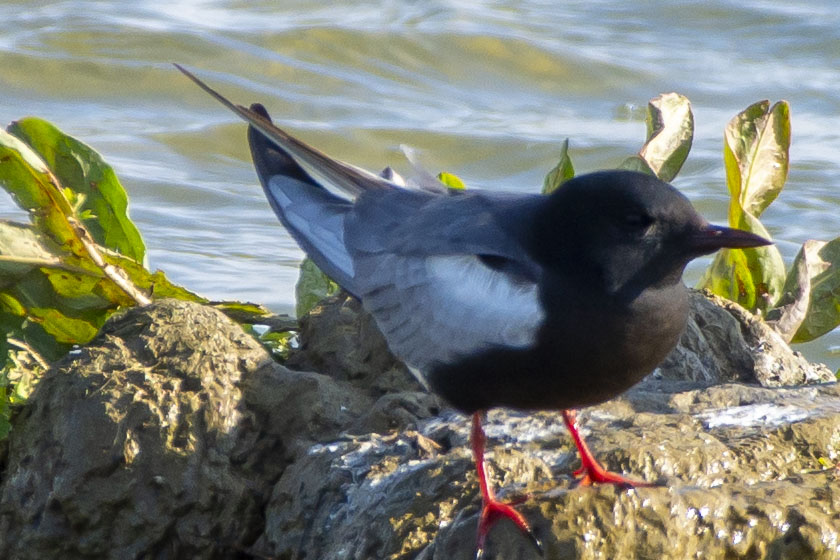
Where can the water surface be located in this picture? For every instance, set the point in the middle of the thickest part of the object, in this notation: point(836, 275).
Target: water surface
point(484, 89)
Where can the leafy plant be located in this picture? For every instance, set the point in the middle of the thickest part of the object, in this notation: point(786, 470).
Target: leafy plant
point(756, 144)
point(79, 260)
point(670, 131)
point(451, 181)
point(562, 172)
point(312, 286)
point(802, 304)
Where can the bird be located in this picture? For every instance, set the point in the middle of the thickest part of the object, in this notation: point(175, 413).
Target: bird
point(499, 299)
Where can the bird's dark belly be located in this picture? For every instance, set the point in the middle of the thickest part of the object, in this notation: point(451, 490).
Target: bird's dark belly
point(576, 362)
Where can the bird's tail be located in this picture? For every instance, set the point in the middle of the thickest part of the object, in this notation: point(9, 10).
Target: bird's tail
point(336, 176)
point(310, 192)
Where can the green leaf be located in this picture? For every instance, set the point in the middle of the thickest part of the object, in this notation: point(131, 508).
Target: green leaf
point(753, 278)
point(12, 318)
point(822, 271)
point(245, 309)
point(789, 314)
point(729, 276)
point(279, 343)
point(103, 201)
point(33, 334)
point(670, 131)
point(33, 187)
point(637, 163)
point(21, 390)
point(5, 413)
point(81, 291)
point(22, 249)
point(155, 283)
point(36, 291)
point(562, 172)
point(242, 312)
point(63, 328)
point(52, 292)
point(756, 146)
point(451, 181)
point(11, 305)
point(55, 300)
point(312, 286)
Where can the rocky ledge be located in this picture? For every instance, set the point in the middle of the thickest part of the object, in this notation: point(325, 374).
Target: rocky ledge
point(175, 435)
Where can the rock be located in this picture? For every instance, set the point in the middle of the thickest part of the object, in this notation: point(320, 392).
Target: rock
point(161, 438)
point(126, 434)
point(719, 450)
point(746, 472)
point(723, 342)
point(174, 435)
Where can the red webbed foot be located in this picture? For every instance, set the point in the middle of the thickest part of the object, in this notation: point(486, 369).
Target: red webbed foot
point(493, 511)
point(590, 471)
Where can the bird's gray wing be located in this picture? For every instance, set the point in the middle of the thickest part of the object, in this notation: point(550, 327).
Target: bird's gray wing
point(445, 277)
point(315, 218)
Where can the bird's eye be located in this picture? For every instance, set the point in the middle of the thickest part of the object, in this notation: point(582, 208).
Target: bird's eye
point(636, 221)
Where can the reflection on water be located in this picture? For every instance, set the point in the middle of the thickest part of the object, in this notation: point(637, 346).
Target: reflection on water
point(485, 89)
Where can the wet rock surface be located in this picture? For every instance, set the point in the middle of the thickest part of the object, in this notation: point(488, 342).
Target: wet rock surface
point(746, 472)
point(174, 435)
point(724, 342)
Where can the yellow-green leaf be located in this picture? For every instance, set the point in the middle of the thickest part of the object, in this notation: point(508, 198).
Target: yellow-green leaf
point(637, 163)
point(22, 248)
point(451, 181)
point(28, 180)
point(755, 154)
point(103, 203)
point(63, 328)
point(11, 305)
point(753, 278)
point(562, 172)
point(790, 312)
point(670, 131)
point(312, 286)
point(823, 311)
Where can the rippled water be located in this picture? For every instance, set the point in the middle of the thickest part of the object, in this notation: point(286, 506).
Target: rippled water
point(485, 89)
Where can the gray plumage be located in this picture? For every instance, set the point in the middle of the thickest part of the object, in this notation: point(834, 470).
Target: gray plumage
point(411, 257)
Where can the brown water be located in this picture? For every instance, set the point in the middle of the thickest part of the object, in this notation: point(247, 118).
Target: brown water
point(484, 89)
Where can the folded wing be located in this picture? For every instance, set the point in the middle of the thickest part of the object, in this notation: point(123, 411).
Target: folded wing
point(442, 276)
point(445, 276)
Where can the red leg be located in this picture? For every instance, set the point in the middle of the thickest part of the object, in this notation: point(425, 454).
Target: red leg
point(492, 510)
point(590, 471)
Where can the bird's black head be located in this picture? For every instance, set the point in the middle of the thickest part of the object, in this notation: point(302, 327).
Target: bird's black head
point(627, 231)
